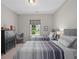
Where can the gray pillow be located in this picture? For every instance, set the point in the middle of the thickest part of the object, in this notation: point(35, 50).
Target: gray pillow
point(73, 45)
point(70, 40)
point(64, 42)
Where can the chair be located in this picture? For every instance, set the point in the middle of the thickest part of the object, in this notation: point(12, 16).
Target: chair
point(19, 37)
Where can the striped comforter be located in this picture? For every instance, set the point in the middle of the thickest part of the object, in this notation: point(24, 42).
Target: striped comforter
point(40, 38)
point(40, 50)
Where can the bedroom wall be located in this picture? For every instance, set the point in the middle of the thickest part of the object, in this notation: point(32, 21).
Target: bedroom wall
point(66, 16)
point(8, 17)
point(24, 26)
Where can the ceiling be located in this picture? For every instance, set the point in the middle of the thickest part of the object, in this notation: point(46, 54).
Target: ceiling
point(41, 7)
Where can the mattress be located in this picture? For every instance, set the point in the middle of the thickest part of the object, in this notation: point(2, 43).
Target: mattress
point(40, 50)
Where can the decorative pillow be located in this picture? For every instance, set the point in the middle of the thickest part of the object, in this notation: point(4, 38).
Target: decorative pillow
point(50, 35)
point(64, 42)
point(69, 39)
point(74, 45)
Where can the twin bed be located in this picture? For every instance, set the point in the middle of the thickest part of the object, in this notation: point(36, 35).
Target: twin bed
point(45, 49)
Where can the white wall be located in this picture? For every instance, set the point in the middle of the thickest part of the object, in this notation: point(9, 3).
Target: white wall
point(66, 16)
point(8, 17)
point(24, 26)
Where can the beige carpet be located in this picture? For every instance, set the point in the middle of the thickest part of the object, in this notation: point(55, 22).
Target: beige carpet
point(9, 54)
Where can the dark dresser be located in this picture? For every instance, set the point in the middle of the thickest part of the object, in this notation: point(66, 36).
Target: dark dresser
point(7, 40)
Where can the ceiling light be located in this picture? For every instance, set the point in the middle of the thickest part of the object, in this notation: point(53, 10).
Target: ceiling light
point(33, 2)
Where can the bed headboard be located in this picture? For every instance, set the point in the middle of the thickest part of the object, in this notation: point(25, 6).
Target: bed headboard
point(70, 32)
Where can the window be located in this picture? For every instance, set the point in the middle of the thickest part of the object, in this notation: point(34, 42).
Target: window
point(34, 27)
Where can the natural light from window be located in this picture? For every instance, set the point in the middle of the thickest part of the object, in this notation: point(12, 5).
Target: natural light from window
point(35, 30)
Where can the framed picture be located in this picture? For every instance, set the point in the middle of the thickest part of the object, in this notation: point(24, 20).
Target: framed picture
point(45, 28)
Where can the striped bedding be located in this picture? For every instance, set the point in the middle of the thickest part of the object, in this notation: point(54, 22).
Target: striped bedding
point(40, 38)
point(39, 50)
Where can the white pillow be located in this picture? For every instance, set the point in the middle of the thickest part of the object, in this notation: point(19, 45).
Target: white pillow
point(64, 42)
point(70, 39)
point(50, 35)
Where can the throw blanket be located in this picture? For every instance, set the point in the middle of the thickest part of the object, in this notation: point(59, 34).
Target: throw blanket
point(40, 50)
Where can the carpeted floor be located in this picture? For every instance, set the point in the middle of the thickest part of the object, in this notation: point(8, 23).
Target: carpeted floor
point(9, 54)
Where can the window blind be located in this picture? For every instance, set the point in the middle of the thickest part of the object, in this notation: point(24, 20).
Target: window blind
point(35, 22)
